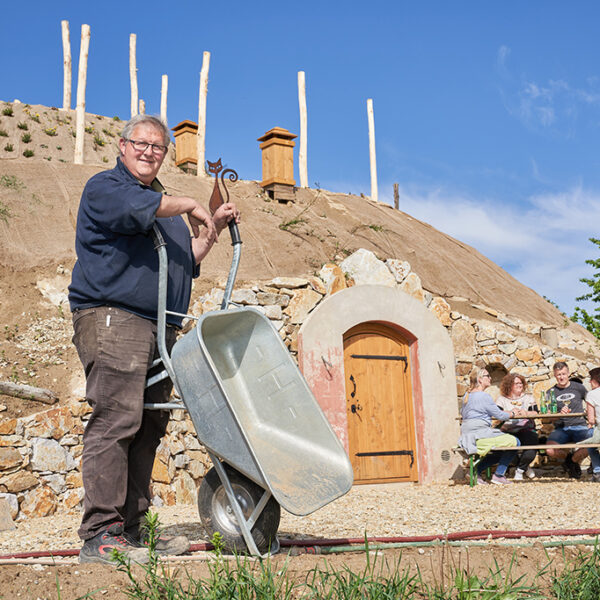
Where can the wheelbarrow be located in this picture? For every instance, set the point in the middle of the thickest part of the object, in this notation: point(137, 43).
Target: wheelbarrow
point(270, 443)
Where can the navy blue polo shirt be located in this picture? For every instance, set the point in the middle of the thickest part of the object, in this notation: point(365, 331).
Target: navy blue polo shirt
point(117, 264)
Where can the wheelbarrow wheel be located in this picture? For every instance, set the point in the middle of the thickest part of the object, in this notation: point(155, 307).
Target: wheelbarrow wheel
point(216, 513)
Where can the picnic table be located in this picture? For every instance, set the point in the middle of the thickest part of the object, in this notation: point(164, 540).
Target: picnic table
point(475, 458)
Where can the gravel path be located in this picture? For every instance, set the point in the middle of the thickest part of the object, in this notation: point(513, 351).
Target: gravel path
point(378, 510)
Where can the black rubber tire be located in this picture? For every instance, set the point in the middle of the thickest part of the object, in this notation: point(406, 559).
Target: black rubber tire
point(217, 515)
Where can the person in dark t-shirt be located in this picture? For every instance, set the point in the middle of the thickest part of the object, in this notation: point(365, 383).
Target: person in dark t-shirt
point(570, 397)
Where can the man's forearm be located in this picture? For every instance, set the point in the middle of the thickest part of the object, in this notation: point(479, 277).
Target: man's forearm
point(171, 206)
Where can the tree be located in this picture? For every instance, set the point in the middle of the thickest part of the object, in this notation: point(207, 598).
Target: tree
point(591, 321)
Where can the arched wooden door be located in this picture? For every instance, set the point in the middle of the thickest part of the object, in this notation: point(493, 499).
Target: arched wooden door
point(379, 405)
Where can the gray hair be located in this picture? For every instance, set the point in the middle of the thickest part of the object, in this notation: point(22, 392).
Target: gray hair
point(151, 120)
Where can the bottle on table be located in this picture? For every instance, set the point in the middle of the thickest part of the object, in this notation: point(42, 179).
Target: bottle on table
point(543, 407)
point(553, 403)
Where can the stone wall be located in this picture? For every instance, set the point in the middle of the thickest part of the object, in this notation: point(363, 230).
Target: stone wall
point(40, 455)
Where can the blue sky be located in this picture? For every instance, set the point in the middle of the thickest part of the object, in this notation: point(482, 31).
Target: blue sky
point(487, 114)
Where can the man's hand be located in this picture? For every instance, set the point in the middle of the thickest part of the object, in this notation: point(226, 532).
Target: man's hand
point(565, 409)
point(224, 214)
point(197, 217)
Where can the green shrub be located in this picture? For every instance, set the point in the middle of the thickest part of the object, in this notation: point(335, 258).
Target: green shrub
point(28, 153)
point(3, 133)
point(23, 126)
point(8, 148)
point(7, 111)
point(51, 131)
point(26, 138)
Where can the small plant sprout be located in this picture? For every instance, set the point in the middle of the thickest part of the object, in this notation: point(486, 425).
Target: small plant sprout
point(26, 138)
point(28, 153)
point(51, 131)
point(23, 126)
point(7, 111)
point(89, 130)
point(3, 133)
point(8, 148)
point(36, 117)
point(98, 140)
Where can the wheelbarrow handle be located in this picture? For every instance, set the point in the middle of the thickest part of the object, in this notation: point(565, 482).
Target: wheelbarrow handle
point(235, 233)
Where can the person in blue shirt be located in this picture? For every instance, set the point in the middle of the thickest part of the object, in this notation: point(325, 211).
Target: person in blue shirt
point(113, 297)
point(477, 434)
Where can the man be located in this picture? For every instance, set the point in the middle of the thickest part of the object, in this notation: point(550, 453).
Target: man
point(570, 397)
point(113, 297)
point(592, 414)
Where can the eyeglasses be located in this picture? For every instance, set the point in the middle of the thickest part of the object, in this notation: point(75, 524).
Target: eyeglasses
point(143, 146)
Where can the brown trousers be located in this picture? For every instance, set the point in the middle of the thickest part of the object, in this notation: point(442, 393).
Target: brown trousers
point(116, 349)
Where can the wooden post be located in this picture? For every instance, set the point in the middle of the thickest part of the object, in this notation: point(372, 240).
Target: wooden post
point(142, 110)
point(66, 41)
point(302, 166)
point(163, 98)
point(81, 80)
point(133, 75)
point(396, 197)
point(201, 171)
point(373, 161)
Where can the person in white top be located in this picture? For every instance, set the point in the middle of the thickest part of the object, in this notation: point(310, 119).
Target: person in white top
point(592, 413)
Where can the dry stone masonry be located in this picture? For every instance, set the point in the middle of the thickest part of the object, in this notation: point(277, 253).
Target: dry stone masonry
point(40, 455)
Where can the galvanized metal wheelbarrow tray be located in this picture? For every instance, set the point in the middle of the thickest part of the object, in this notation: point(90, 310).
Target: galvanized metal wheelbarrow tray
point(250, 405)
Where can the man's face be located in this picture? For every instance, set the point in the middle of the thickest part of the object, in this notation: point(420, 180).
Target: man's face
point(562, 377)
point(143, 165)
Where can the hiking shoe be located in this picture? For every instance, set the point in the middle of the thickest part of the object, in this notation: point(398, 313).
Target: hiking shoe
point(518, 475)
point(165, 545)
point(100, 547)
point(530, 473)
point(572, 468)
point(500, 479)
point(596, 477)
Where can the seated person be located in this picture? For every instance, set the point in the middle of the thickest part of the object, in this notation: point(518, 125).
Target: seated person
point(570, 397)
point(512, 395)
point(478, 435)
point(592, 411)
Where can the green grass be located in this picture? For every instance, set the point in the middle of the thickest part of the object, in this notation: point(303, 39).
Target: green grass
point(23, 126)
point(3, 133)
point(26, 138)
point(8, 148)
point(28, 153)
point(7, 111)
point(245, 579)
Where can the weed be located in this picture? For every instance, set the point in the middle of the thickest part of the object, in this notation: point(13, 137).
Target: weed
point(62, 160)
point(44, 146)
point(28, 153)
point(3, 133)
point(51, 131)
point(108, 133)
point(73, 133)
point(59, 147)
point(26, 138)
point(7, 111)
point(48, 158)
point(5, 213)
point(115, 118)
point(11, 182)
point(89, 130)
point(23, 126)
point(104, 159)
point(292, 223)
point(8, 148)
point(376, 227)
point(36, 117)
point(98, 140)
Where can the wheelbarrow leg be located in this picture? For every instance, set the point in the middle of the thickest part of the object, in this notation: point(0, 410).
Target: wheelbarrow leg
point(245, 526)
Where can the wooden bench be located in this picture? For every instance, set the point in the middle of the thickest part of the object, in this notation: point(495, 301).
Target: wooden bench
point(475, 458)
